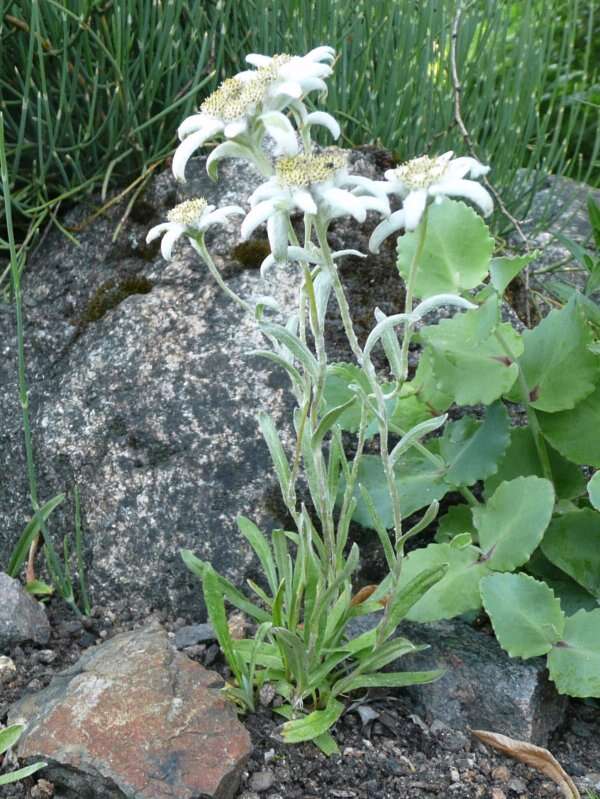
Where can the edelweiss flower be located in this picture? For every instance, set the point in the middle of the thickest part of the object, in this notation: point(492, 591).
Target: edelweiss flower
point(313, 184)
point(252, 101)
point(188, 219)
point(425, 177)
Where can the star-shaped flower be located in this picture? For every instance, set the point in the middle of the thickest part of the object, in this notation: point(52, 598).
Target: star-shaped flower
point(314, 184)
point(188, 219)
point(426, 178)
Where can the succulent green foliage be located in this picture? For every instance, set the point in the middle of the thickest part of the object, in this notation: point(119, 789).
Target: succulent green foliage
point(410, 410)
point(593, 489)
point(572, 543)
point(511, 524)
point(558, 366)
point(521, 459)
point(457, 591)
point(504, 270)
point(573, 597)
point(525, 614)
point(419, 481)
point(456, 253)
point(469, 369)
point(575, 433)
point(8, 738)
point(426, 385)
point(471, 449)
point(457, 520)
point(574, 663)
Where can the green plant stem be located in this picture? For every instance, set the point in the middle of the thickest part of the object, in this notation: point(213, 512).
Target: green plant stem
point(409, 294)
point(469, 496)
point(534, 424)
point(199, 245)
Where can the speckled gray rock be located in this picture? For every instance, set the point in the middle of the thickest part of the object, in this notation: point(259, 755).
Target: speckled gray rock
point(22, 619)
point(134, 719)
point(151, 409)
point(482, 688)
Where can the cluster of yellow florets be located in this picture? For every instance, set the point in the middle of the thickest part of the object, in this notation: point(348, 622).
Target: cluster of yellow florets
point(235, 98)
point(421, 172)
point(302, 170)
point(188, 212)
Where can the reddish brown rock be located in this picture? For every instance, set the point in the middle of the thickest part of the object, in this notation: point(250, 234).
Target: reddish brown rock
point(134, 718)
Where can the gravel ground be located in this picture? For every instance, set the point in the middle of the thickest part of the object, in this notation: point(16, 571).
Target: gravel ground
point(386, 750)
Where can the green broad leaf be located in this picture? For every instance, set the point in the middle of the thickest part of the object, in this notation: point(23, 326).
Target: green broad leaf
point(386, 654)
point(521, 459)
point(419, 484)
point(572, 596)
point(558, 366)
point(504, 270)
point(425, 385)
point(39, 588)
point(456, 253)
point(337, 392)
point(392, 679)
point(469, 370)
point(526, 616)
point(488, 318)
point(456, 521)
point(572, 543)
point(315, 724)
point(409, 410)
point(593, 489)
point(456, 592)
point(260, 545)
point(575, 433)
point(327, 744)
point(472, 449)
point(512, 522)
point(10, 736)
point(574, 663)
point(21, 774)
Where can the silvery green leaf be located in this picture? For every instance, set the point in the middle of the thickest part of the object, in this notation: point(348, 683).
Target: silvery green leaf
point(387, 324)
point(280, 462)
point(413, 436)
point(228, 149)
point(322, 286)
point(293, 344)
point(391, 347)
point(438, 300)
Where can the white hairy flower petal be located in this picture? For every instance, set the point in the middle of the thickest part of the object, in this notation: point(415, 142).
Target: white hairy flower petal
point(414, 207)
point(157, 231)
point(393, 223)
point(169, 239)
point(326, 120)
point(342, 202)
point(277, 231)
point(184, 152)
point(465, 188)
point(199, 122)
point(256, 216)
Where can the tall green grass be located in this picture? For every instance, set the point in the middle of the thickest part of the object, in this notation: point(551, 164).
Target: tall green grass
point(92, 90)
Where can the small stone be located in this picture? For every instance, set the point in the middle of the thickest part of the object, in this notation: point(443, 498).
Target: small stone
point(266, 694)
point(261, 781)
point(42, 790)
point(66, 629)
point(211, 654)
point(8, 670)
point(500, 774)
point(195, 651)
point(269, 755)
point(454, 775)
point(517, 785)
point(22, 619)
point(192, 634)
point(498, 794)
point(46, 656)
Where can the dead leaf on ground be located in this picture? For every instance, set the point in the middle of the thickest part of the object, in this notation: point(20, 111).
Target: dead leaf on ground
point(534, 756)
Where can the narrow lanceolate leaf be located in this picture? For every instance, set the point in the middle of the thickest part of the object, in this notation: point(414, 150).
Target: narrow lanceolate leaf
point(408, 594)
point(559, 368)
point(593, 489)
point(260, 545)
point(327, 423)
point(21, 774)
point(340, 376)
point(576, 433)
point(521, 459)
point(293, 344)
point(503, 270)
point(456, 592)
point(280, 462)
point(21, 549)
point(469, 370)
point(315, 724)
point(574, 663)
point(472, 449)
point(511, 524)
point(10, 736)
point(453, 229)
point(215, 606)
point(573, 544)
point(397, 679)
point(525, 614)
